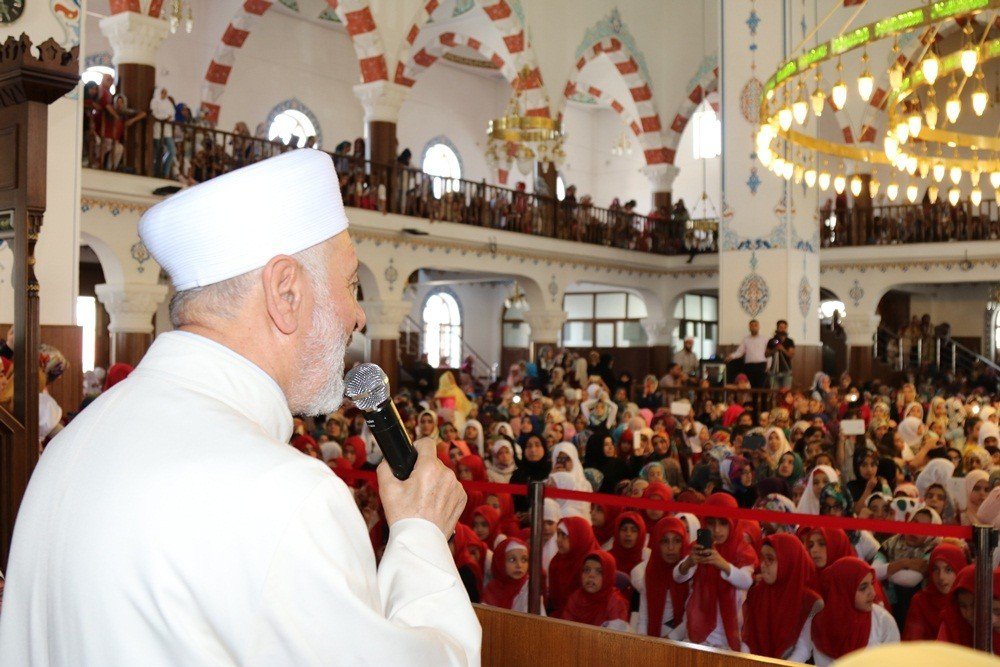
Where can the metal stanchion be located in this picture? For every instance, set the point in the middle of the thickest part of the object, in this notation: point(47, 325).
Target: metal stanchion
point(982, 626)
point(536, 497)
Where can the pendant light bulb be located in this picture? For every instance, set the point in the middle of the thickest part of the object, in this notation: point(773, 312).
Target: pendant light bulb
point(839, 94)
point(937, 171)
point(856, 185)
point(995, 180)
point(818, 100)
point(810, 177)
point(953, 108)
point(915, 122)
point(785, 118)
point(931, 115)
point(956, 175)
point(873, 186)
point(800, 110)
point(896, 76)
point(766, 156)
point(911, 165)
point(902, 132)
point(891, 146)
point(930, 66)
point(970, 58)
point(953, 196)
point(824, 180)
point(980, 98)
point(976, 196)
point(839, 183)
point(911, 192)
point(866, 85)
point(892, 191)
point(932, 193)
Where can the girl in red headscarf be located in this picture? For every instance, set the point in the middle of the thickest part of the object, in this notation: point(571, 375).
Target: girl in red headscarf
point(779, 606)
point(504, 503)
point(597, 601)
point(486, 525)
point(661, 598)
point(469, 554)
point(850, 618)
point(574, 540)
point(355, 451)
point(603, 519)
point(656, 491)
point(828, 545)
point(471, 469)
point(629, 547)
point(509, 586)
point(958, 612)
point(721, 576)
point(923, 621)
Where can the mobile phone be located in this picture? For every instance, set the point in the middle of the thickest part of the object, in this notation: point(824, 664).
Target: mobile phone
point(704, 538)
point(852, 427)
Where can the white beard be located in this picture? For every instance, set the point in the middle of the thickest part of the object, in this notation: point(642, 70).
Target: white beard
point(322, 363)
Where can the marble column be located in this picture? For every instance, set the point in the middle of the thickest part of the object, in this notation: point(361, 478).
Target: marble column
point(769, 231)
point(383, 321)
point(546, 325)
point(131, 307)
point(381, 101)
point(661, 178)
point(860, 330)
point(659, 337)
point(135, 39)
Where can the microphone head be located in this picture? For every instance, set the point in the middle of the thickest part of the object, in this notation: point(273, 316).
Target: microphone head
point(367, 385)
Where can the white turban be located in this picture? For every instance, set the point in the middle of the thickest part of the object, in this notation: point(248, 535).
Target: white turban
point(237, 222)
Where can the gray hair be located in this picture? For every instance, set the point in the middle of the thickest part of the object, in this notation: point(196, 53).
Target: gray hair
point(225, 299)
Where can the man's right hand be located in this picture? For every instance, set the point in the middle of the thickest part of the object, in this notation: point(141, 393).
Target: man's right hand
point(432, 491)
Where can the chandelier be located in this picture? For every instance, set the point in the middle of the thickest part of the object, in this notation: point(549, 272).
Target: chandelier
point(180, 10)
point(517, 300)
point(623, 146)
point(921, 145)
point(522, 138)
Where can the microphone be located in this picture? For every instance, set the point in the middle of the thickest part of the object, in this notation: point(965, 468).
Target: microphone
point(368, 386)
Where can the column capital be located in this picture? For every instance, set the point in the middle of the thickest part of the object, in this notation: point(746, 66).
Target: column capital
point(135, 38)
point(381, 100)
point(385, 317)
point(661, 176)
point(860, 329)
point(659, 332)
point(131, 306)
point(546, 325)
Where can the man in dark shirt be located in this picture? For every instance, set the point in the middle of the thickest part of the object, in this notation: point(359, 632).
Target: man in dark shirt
point(781, 350)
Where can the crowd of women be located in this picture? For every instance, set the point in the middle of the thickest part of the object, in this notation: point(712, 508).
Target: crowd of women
point(774, 589)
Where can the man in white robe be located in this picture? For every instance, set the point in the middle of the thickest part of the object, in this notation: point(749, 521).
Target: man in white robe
point(171, 524)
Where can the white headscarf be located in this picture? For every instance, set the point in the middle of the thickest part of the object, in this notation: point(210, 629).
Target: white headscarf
point(783, 447)
point(988, 430)
point(580, 482)
point(809, 503)
point(937, 471)
point(909, 431)
point(478, 442)
point(565, 481)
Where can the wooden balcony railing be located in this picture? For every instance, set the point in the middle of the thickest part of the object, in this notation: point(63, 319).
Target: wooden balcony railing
point(909, 223)
point(193, 153)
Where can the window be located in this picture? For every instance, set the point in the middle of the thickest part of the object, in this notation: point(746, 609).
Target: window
point(86, 318)
point(96, 74)
point(516, 332)
point(441, 161)
point(698, 318)
point(292, 123)
point(603, 319)
point(707, 132)
point(442, 330)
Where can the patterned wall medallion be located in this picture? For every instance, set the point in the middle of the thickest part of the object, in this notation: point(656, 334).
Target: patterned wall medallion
point(754, 294)
point(750, 100)
point(805, 296)
point(857, 293)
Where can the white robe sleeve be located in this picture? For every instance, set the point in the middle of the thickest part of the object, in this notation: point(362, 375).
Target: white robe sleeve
point(803, 646)
point(321, 603)
point(739, 577)
point(884, 628)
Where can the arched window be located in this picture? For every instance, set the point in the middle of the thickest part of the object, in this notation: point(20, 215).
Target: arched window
point(442, 330)
point(292, 123)
point(95, 74)
point(441, 160)
point(707, 132)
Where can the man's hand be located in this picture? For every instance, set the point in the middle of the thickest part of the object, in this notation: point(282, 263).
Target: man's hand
point(432, 491)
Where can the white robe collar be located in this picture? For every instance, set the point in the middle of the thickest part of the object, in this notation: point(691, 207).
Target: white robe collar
point(217, 371)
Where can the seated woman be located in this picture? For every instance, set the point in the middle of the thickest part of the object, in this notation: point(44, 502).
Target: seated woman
point(629, 548)
point(959, 610)
point(574, 540)
point(721, 576)
point(923, 622)
point(661, 598)
point(850, 619)
point(597, 601)
point(509, 586)
point(780, 605)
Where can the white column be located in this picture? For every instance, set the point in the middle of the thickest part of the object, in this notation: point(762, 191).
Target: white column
point(381, 100)
point(860, 329)
point(659, 332)
point(384, 318)
point(131, 306)
point(135, 38)
point(546, 325)
point(661, 176)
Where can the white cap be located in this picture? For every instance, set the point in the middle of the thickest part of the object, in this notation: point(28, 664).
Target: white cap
point(237, 222)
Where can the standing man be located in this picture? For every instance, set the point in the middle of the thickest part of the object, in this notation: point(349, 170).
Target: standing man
point(781, 351)
point(172, 524)
point(688, 359)
point(753, 351)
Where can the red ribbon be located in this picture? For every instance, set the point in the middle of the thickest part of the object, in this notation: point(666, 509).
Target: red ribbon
point(769, 516)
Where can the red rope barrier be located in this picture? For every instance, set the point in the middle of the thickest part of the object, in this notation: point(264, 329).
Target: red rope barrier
point(769, 516)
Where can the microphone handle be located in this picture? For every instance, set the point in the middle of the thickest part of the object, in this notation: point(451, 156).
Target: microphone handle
point(387, 427)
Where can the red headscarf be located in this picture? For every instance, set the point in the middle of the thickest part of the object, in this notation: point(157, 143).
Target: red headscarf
point(661, 491)
point(607, 531)
point(465, 538)
point(508, 519)
point(304, 443)
point(753, 534)
point(626, 559)
point(357, 443)
point(923, 621)
point(954, 628)
point(607, 604)
point(710, 594)
point(502, 589)
point(839, 627)
point(564, 569)
point(660, 575)
point(492, 517)
point(116, 374)
point(838, 545)
point(775, 614)
point(475, 498)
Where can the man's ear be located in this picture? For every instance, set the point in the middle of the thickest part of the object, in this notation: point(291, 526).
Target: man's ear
point(284, 282)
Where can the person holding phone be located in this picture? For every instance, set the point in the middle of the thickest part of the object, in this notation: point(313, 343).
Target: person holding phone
point(720, 567)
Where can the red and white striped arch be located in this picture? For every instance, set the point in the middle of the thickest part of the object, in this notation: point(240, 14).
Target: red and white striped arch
point(356, 16)
point(629, 119)
point(152, 7)
point(522, 55)
point(408, 71)
point(648, 118)
point(707, 83)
